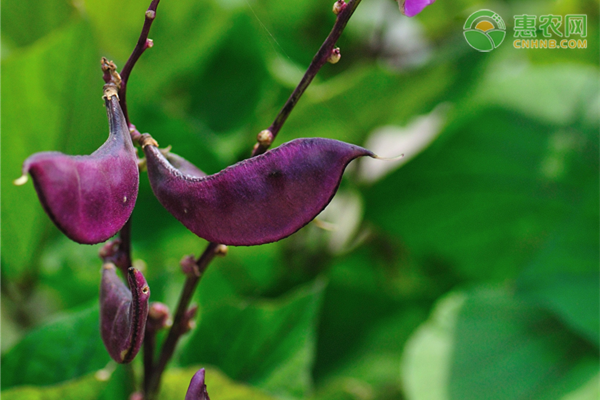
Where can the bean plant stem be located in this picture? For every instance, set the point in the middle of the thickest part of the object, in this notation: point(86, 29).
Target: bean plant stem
point(142, 44)
point(317, 62)
point(124, 251)
point(152, 382)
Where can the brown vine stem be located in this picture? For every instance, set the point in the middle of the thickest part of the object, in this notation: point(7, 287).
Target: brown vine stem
point(325, 51)
point(180, 320)
point(142, 44)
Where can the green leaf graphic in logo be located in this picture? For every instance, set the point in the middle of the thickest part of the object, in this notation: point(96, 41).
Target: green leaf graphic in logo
point(484, 30)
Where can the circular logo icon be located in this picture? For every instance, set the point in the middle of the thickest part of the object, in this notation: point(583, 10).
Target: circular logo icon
point(484, 30)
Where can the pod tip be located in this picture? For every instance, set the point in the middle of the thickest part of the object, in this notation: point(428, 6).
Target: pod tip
point(389, 158)
point(326, 226)
point(21, 180)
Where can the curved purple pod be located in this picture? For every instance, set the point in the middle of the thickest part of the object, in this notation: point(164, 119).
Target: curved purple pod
point(90, 198)
point(259, 200)
point(197, 389)
point(123, 312)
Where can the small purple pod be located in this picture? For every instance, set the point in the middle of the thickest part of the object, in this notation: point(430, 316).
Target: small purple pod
point(184, 166)
point(197, 389)
point(410, 8)
point(123, 312)
point(90, 198)
point(259, 200)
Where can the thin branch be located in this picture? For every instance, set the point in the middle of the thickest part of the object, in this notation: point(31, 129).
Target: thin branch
point(142, 44)
point(181, 319)
point(123, 256)
point(345, 11)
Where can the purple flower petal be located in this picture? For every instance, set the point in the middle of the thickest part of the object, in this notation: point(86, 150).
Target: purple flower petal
point(123, 312)
point(197, 388)
point(90, 198)
point(259, 200)
point(410, 8)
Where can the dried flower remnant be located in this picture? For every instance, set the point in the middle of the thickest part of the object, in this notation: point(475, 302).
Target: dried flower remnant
point(123, 312)
point(89, 198)
point(259, 200)
point(410, 8)
point(197, 389)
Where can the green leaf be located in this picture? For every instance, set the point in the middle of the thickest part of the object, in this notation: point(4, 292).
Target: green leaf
point(269, 344)
point(45, 109)
point(25, 21)
point(337, 108)
point(219, 386)
point(86, 388)
point(213, 102)
point(69, 272)
point(564, 276)
point(479, 199)
point(365, 321)
point(487, 344)
point(65, 348)
point(558, 93)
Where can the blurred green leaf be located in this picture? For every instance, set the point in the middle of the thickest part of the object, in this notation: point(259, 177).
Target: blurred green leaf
point(364, 287)
point(218, 385)
point(567, 90)
point(487, 344)
point(269, 344)
point(564, 277)
point(48, 110)
point(86, 388)
point(25, 21)
point(66, 348)
point(334, 109)
point(226, 107)
point(478, 199)
point(70, 272)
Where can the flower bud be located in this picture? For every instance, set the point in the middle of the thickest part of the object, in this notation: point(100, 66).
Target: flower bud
point(159, 317)
point(335, 56)
point(123, 312)
point(339, 6)
point(187, 323)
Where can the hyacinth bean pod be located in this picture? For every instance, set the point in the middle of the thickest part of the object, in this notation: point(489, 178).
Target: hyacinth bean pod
point(123, 312)
point(259, 200)
point(90, 198)
point(197, 389)
point(410, 8)
point(184, 166)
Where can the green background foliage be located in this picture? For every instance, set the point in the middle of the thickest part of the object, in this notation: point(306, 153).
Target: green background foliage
point(470, 271)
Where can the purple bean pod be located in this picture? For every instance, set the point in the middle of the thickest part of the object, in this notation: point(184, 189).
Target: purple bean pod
point(410, 8)
point(89, 198)
point(197, 389)
point(259, 200)
point(123, 312)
